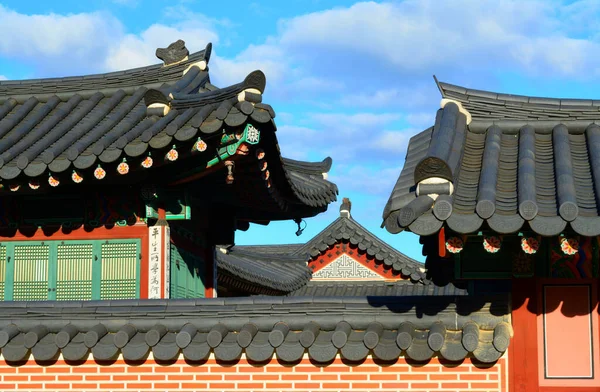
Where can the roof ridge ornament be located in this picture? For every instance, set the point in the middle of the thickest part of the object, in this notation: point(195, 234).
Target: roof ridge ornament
point(203, 63)
point(345, 208)
point(253, 86)
point(175, 53)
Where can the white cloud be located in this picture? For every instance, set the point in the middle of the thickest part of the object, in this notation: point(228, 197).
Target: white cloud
point(343, 137)
point(354, 122)
point(377, 99)
point(229, 71)
point(394, 142)
point(423, 35)
point(297, 142)
point(95, 42)
point(2, 77)
point(58, 43)
point(373, 180)
point(139, 50)
point(315, 84)
point(421, 119)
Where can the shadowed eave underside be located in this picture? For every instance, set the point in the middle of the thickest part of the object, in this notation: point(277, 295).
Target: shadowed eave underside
point(261, 271)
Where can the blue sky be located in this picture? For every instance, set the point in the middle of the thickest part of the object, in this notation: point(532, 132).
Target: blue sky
point(350, 80)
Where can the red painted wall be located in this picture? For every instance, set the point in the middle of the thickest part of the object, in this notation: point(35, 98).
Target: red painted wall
point(526, 364)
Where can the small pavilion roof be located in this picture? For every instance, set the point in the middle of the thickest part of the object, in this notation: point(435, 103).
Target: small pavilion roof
point(260, 271)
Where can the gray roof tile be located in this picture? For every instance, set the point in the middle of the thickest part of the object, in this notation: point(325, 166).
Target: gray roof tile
point(374, 288)
point(512, 167)
point(57, 125)
point(345, 326)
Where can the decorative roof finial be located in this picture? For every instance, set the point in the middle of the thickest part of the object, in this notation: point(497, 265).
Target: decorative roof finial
point(174, 53)
point(345, 207)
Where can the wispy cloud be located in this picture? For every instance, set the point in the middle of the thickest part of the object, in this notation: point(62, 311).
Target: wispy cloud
point(394, 142)
point(354, 122)
point(366, 179)
point(421, 119)
point(136, 50)
point(59, 44)
point(426, 34)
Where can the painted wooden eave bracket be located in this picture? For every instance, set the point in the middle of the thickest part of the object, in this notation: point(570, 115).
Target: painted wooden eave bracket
point(231, 145)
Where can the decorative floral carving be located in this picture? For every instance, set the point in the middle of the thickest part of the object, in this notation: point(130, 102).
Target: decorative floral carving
point(147, 162)
point(76, 177)
point(172, 155)
point(260, 153)
point(53, 181)
point(491, 244)
point(252, 134)
point(123, 168)
point(34, 185)
point(454, 245)
point(200, 145)
point(569, 246)
point(99, 173)
point(530, 245)
point(14, 187)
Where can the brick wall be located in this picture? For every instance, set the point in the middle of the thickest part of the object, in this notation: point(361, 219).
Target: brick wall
point(213, 376)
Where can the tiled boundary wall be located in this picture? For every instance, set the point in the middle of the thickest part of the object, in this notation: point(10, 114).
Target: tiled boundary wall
point(212, 375)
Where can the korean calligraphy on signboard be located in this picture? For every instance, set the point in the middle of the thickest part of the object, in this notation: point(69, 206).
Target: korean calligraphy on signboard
point(155, 257)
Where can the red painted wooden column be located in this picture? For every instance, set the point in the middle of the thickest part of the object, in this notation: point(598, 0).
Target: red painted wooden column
point(523, 352)
point(210, 272)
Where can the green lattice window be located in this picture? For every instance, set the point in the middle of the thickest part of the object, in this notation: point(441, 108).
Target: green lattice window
point(186, 274)
point(31, 272)
point(74, 271)
point(119, 270)
point(69, 270)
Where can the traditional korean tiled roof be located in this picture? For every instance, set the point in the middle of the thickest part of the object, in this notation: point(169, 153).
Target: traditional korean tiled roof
point(269, 264)
point(309, 181)
point(346, 230)
point(51, 125)
point(257, 272)
point(374, 288)
point(62, 131)
point(259, 327)
point(503, 162)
